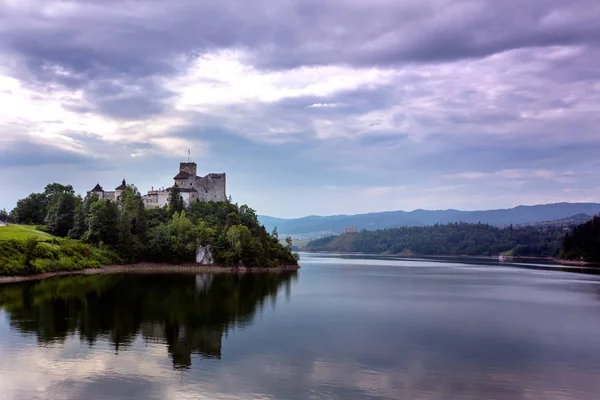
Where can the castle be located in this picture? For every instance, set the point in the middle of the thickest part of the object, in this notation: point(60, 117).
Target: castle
point(192, 188)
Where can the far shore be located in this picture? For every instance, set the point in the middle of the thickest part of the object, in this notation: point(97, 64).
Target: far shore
point(151, 268)
point(560, 261)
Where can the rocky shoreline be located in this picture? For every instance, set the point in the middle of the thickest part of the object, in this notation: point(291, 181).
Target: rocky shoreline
point(152, 268)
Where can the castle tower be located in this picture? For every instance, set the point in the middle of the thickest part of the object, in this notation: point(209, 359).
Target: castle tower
point(98, 191)
point(189, 167)
point(119, 190)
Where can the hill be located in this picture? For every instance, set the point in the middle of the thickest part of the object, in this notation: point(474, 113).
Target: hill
point(23, 232)
point(91, 231)
point(583, 244)
point(449, 239)
point(317, 226)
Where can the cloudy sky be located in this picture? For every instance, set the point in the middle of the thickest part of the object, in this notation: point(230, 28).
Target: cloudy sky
point(309, 106)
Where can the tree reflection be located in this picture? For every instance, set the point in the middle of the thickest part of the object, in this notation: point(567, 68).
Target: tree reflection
point(190, 313)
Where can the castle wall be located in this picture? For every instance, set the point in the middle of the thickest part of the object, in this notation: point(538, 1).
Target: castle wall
point(156, 198)
point(211, 187)
point(186, 183)
point(109, 196)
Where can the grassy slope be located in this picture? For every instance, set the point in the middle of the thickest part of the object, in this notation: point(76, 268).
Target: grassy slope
point(51, 254)
point(23, 232)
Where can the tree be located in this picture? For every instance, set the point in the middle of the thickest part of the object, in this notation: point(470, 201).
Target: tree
point(240, 238)
point(233, 218)
point(61, 213)
point(102, 222)
point(53, 189)
point(28, 254)
point(288, 242)
point(79, 226)
point(206, 235)
point(160, 244)
point(583, 243)
point(176, 204)
point(131, 201)
point(126, 243)
point(184, 237)
point(274, 233)
point(3, 216)
point(31, 210)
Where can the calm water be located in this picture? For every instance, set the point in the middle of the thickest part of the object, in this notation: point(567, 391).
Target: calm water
point(342, 328)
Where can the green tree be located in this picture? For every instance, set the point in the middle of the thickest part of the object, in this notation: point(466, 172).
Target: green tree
point(232, 219)
point(160, 243)
point(176, 204)
point(241, 241)
point(583, 243)
point(31, 210)
point(206, 235)
point(29, 254)
point(3, 215)
point(156, 216)
point(184, 237)
point(79, 226)
point(53, 189)
point(132, 203)
point(102, 222)
point(126, 244)
point(61, 213)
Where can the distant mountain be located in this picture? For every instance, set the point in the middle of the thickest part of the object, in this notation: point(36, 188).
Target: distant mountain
point(316, 226)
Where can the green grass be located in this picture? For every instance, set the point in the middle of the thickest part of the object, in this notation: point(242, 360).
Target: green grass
point(22, 257)
point(23, 232)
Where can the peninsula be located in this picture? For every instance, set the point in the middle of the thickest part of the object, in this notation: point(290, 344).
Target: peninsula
point(192, 225)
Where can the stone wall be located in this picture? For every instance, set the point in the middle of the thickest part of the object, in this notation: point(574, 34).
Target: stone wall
point(156, 198)
point(211, 187)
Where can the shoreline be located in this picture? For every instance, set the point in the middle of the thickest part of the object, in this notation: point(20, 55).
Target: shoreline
point(559, 261)
point(151, 268)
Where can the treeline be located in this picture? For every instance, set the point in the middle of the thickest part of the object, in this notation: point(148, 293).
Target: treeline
point(450, 239)
point(583, 244)
point(169, 234)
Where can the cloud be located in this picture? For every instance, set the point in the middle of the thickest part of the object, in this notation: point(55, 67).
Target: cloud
point(23, 153)
point(518, 174)
point(377, 94)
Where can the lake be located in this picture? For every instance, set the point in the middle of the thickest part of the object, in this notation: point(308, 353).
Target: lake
point(343, 327)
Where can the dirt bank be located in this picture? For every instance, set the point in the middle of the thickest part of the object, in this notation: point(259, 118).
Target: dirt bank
point(153, 268)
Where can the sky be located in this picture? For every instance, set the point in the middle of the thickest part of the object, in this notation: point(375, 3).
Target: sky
point(310, 106)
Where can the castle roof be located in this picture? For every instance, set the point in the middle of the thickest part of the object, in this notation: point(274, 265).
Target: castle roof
point(97, 188)
point(123, 186)
point(182, 175)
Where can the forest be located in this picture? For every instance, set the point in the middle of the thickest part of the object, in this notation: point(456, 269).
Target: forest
point(449, 239)
point(583, 244)
point(90, 231)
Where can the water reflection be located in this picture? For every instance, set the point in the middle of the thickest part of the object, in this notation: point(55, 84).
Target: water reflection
point(188, 313)
point(353, 329)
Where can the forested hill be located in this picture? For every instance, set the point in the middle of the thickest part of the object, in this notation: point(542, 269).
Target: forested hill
point(450, 239)
point(318, 226)
point(583, 243)
point(126, 231)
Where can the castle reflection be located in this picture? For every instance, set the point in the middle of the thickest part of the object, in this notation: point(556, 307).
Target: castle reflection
point(190, 313)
